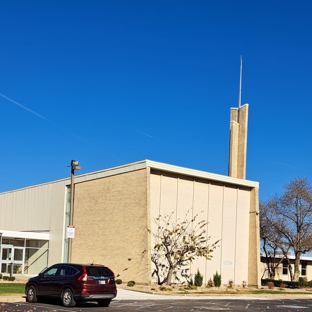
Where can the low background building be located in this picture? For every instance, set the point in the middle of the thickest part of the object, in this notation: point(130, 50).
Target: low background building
point(282, 269)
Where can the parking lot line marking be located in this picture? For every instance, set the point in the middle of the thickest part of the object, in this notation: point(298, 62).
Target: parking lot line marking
point(147, 306)
point(126, 304)
point(292, 307)
point(167, 308)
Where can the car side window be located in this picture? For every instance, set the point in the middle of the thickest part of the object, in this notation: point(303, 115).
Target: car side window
point(67, 271)
point(51, 272)
point(70, 271)
point(62, 271)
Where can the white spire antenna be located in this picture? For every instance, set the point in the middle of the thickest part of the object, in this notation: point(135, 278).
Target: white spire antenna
point(240, 82)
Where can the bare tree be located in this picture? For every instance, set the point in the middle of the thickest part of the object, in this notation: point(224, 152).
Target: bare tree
point(274, 255)
point(176, 245)
point(286, 222)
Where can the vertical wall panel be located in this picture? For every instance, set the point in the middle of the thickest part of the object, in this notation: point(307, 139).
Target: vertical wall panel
point(155, 193)
point(168, 198)
point(184, 200)
point(228, 234)
point(242, 234)
point(200, 207)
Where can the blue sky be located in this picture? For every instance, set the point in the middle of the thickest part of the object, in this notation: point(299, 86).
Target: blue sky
point(112, 82)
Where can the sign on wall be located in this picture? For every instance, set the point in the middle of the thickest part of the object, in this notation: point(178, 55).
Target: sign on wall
point(70, 231)
point(228, 264)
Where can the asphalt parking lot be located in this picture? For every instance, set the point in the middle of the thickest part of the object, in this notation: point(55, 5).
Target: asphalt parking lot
point(165, 305)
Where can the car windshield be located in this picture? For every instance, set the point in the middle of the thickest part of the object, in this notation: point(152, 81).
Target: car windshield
point(99, 271)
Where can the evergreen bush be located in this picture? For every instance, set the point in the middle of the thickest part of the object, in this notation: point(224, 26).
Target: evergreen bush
point(198, 279)
point(118, 281)
point(217, 279)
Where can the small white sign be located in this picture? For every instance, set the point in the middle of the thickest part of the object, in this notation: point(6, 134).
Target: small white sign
point(228, 264)
point(70, 231)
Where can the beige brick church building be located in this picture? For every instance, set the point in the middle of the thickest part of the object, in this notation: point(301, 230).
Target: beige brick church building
point(115, 207)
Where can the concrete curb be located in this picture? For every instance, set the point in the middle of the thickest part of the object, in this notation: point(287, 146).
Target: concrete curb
point(134, 295)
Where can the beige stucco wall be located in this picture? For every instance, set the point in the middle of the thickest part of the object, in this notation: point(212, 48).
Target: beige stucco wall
point(111, 218)
point(227, 210)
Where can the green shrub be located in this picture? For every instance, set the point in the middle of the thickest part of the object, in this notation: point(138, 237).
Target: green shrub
point(1, 276)
point(118, 281)
point(217, 279)
point(277, 283)
point(289, 284)
point(131, 283)
point(292, 284)
point(11, 278)
point(198, 279)
point(5, 278)
point(303, 282)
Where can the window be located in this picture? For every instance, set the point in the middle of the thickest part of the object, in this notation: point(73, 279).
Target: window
point(304, 268)
point(99, 271)
point(67, 271)
point(51, 271)
point(285, 267)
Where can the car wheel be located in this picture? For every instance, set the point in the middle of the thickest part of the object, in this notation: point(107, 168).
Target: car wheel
point(68, 298)
point(31, 294)
point(104, 303)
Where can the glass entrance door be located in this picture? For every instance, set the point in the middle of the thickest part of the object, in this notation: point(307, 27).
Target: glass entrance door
point(6, 258)
point(11, 255)
point(18, 260)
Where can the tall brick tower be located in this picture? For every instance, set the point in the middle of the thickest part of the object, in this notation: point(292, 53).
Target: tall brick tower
point(238, 135)
point(238, 142)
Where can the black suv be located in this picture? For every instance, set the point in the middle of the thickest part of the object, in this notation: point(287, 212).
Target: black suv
point(73, 283)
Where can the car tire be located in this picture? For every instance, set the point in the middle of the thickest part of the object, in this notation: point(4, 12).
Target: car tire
point(104, 303)
point(68, 298)
point(31, 294)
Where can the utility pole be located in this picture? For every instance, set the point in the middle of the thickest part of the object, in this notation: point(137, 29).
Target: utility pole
point(74, 165)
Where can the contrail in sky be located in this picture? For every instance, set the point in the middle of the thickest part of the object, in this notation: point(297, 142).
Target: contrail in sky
point(22, 106)
point(286, 165)
point(144, 133)
point(38, 115)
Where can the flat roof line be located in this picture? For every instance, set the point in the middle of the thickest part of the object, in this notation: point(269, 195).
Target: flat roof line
point(29, 235)
point(142, 164)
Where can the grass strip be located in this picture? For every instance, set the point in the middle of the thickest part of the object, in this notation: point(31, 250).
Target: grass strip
point(12, 288)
